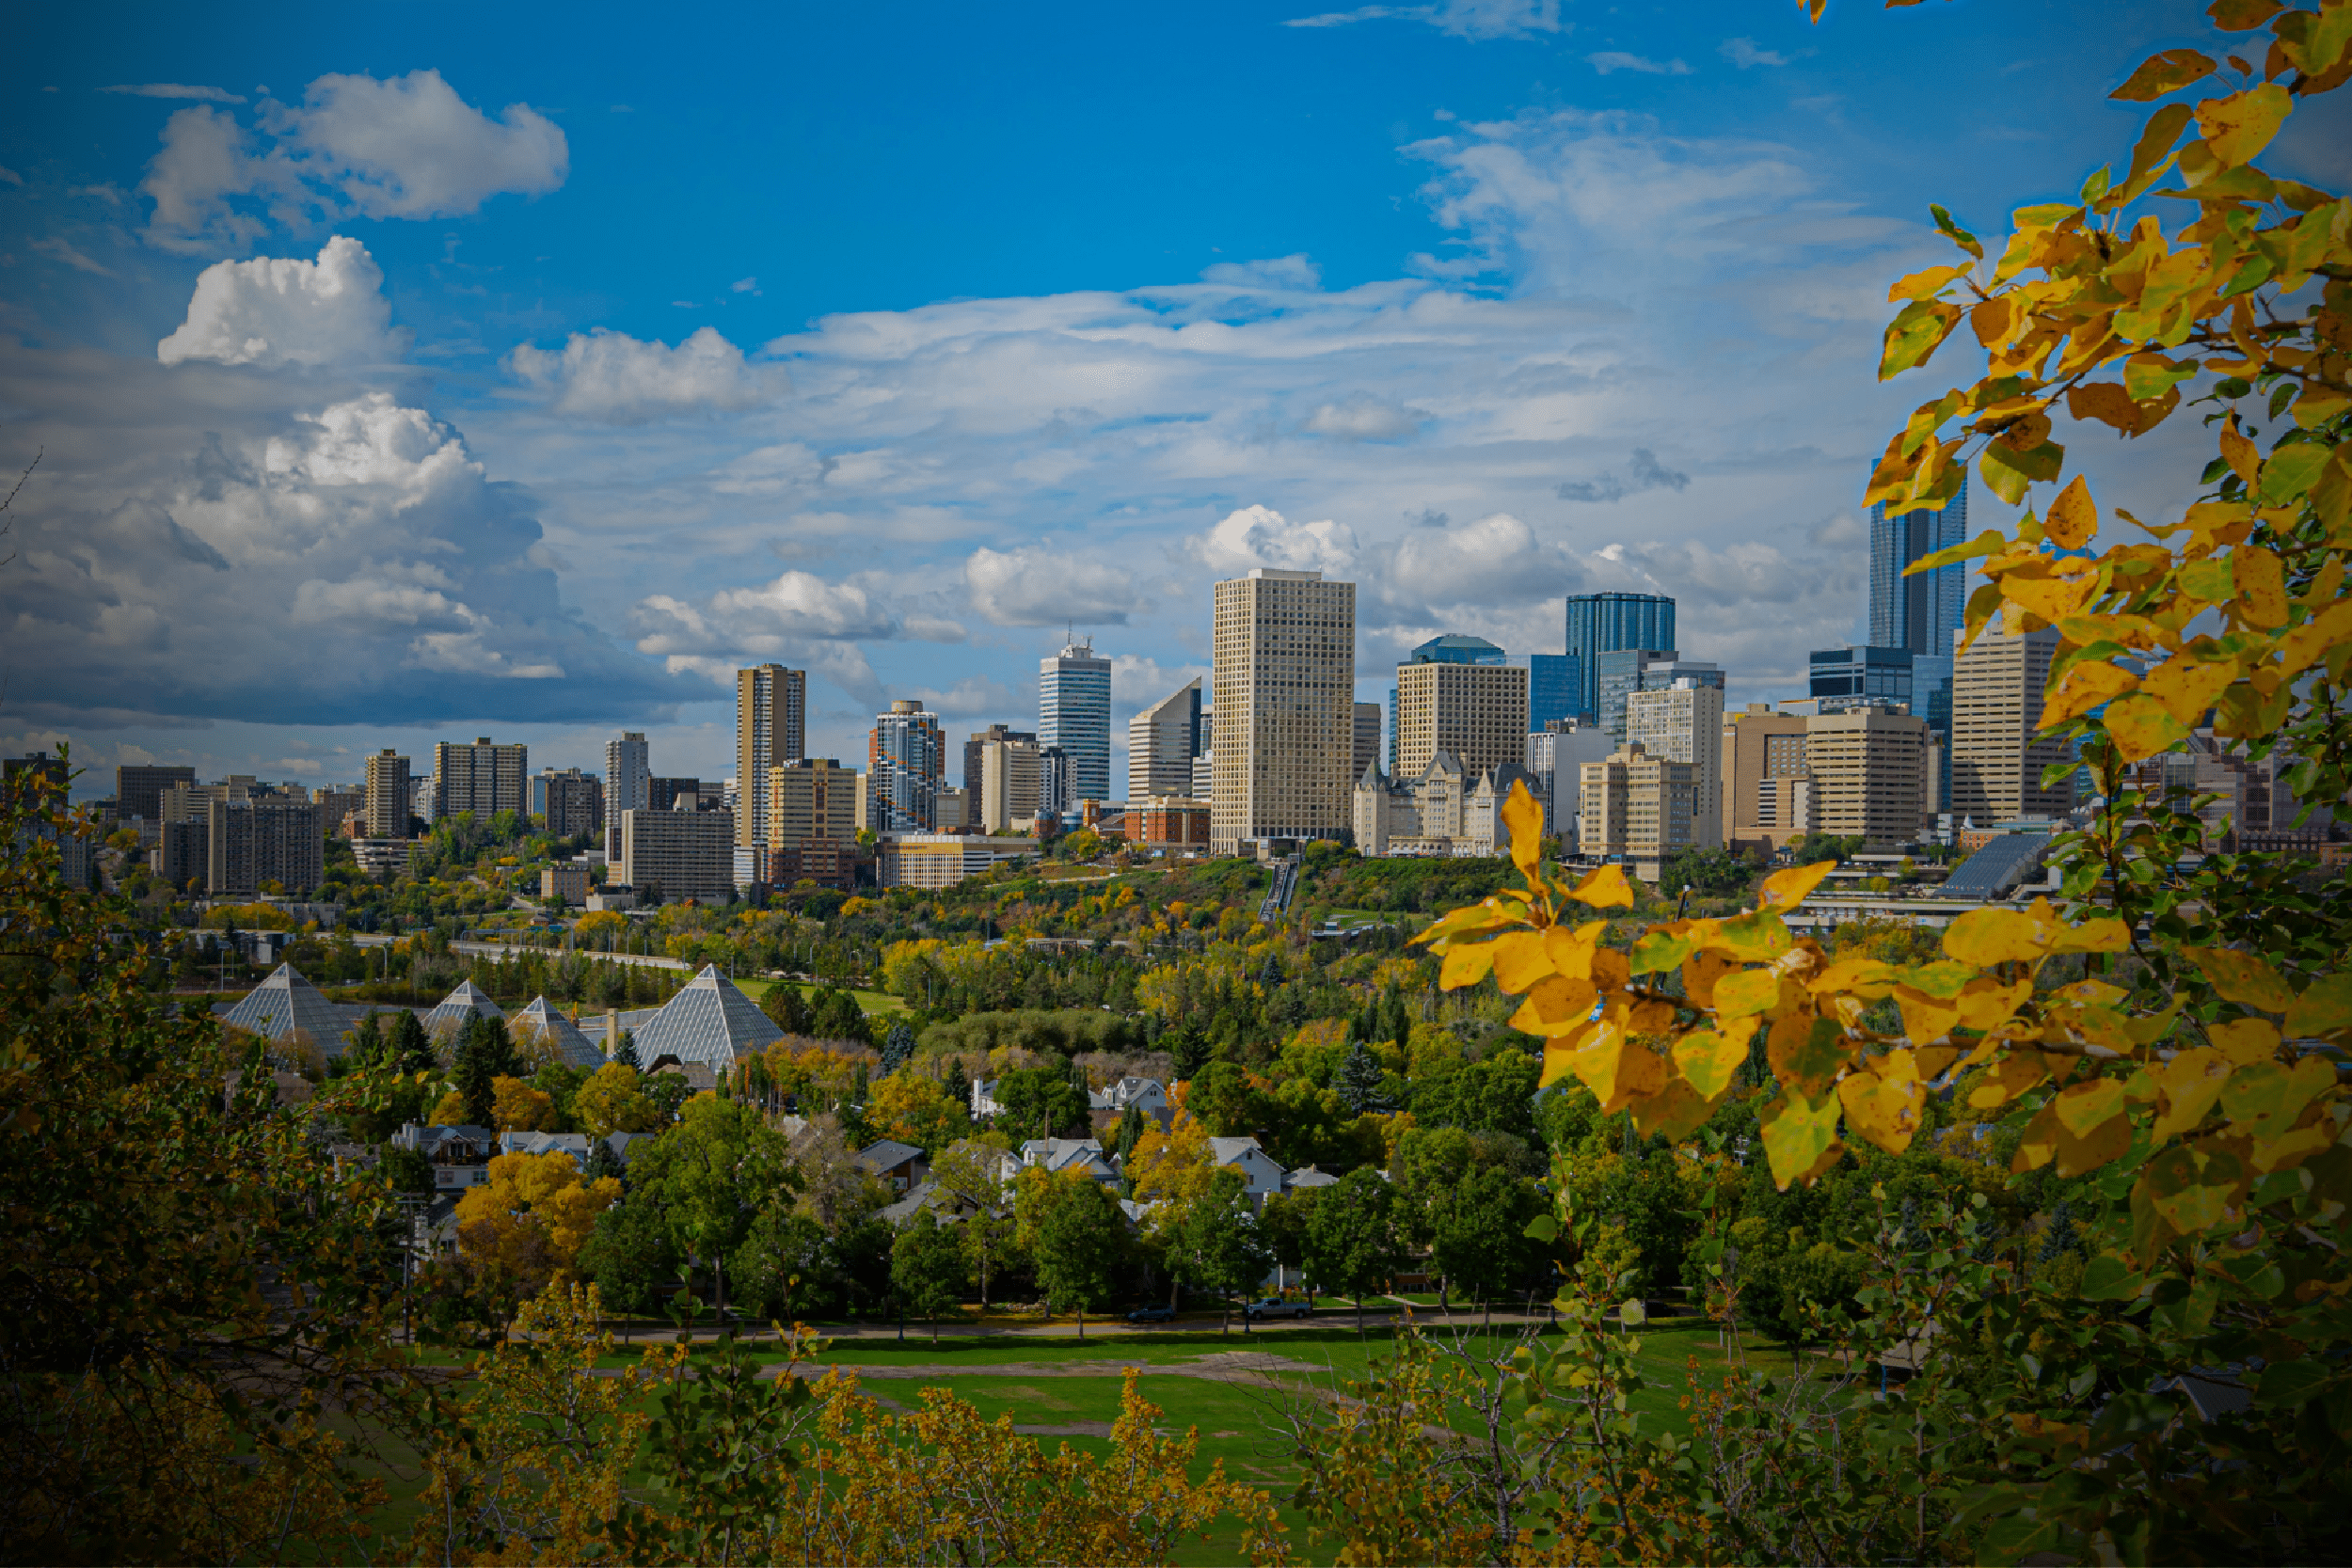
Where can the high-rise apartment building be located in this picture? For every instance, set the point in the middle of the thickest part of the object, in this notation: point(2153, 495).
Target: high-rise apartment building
point(1629, 670)
point(1555, 688)
point(1073, 712)
point(1684, 722)
point(1998, 750)
point(1476, 710)
point(1056, 784)
point(627, 777)
point(139, 790)
point(1636, 805)
point(1872, 774)
point(977, 740)
point(771, 728)
point(571, 801)
point(1008, 783)
point(390, 792)
point(1599, 623)
point(1367, 749)
point(1918, 613)
point(264, 843)
point(1556, 755)
point(811, 799)
point(1161, 740)
point(1765, 791)
point(906, 763)
point(685, 854)
point(1204, 766)
point(1284, 693)
point(482, 779)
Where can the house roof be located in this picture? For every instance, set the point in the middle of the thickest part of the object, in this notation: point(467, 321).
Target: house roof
point(888, 1155)
point(286, 1002)
point(1310, 1175)
point(708, 1021)
point(1059, 1155)
point(1230, 1151)
point(574, 1048)
point(926, 1195)
point(468, 1000)
point(573, 1144)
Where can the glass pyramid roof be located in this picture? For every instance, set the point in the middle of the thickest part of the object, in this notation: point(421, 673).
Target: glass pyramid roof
point(574, 1048)
point(286, 1002)
point(708, 1021)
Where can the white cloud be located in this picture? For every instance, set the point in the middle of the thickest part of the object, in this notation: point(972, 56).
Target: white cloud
point(1137, 681)
point(62, 250)
point(1745, 53)
point(1642, 472)
point(1034, 587)
point(1617, 59)
point(283, 310)
point(744, 286)
point(175, 89)
point(406, 147)
point(1261, 537)
point(1275, 274)
point(1363, 418)
point(973, 697)
point(612, 378)
point(1466, 19)
point(1496, 560)
point(9, 177)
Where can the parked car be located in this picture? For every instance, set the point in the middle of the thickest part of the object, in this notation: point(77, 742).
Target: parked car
point(1274, 1307)
point(1152, 1315)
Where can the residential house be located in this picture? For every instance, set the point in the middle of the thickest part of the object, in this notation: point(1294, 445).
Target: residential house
point(902, 1167)
point(573, 1144)
point(1106, 1107)
point(459, 1155)
point(1261, 1173)
point(1064, 1154)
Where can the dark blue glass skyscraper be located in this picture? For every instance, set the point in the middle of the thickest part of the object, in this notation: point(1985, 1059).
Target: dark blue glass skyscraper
point(1598, 623)
point(1920, 612)
point(1555, 688)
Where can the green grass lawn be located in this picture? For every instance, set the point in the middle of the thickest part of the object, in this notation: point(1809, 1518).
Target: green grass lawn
point(868, 1001)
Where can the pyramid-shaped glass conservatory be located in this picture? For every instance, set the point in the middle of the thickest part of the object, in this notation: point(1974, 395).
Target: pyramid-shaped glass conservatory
point(708, 1021)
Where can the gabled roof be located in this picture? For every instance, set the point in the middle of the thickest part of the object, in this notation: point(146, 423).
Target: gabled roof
point(573, 1144)
point(708, 1021)
point(1233, 1152)
point(467, 1002)
point(574, 1048)
point(286, 1002)
point(1310, 1175)
point(887, 1155)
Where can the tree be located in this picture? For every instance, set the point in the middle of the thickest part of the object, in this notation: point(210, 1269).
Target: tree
point(969, 1173)
point(516, 1106)
point(525, 1227)
point(1131, 1122)
point(788, 1009)
point(1357, 1079)
point(1478, 1232)
point(710, 1176)
point(1216, 1244)
point(914, 1109)
point(898, 1047)
point(627, 1056)
point(1039, 1102)
point(632, 1255)
point(1220, 1096)
point(1351, 1244)
point(485, 1055)
point(406, 1045)
point(837, 1016)
point(612, 1101)
point(1081, 1240)
point(927, 1269)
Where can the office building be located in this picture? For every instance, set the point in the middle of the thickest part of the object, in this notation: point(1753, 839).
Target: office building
point(1056, 784)
point(1872, 773)
point(1284, 693)
point(1765, 792)
point(1556, 755)
point(1843, 680)
point(1476, 711)
point(1073, 712)
point(1638, 807)
point(1174, 823)
point(1918, 613)
point(678, 794)
point(1391, 753)
point(1161, 742)
point(1555, 688)
point(771, 728)
point(1931, 699)
point(339, 803)
point(1366, 752)
point(481, 780)
point(568, 882)
point(1601, 622)
point(681, 854)
point(271, 843)
point(906, 763)
point(1629, 670)
point(933, 861)
point(139, 790)
point(425, 801)
point(628, 776)
point(1998, 750)
point(1684, 722)
point(811, 800)
point(572, 802)
point(955, 808)
point(1009, 784)
point(37, 774)
point(977, 742)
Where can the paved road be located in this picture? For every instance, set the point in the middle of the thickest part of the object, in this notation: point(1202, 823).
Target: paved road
point(502, 949)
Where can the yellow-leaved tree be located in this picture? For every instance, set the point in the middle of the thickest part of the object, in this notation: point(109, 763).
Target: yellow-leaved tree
point(2172, 1034)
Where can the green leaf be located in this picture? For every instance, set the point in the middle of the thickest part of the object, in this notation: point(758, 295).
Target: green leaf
point(1914, 334)
point(1542, 1227)
point(1954, 233)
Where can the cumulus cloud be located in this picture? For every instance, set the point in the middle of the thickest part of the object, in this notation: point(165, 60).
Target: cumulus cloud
point(977, 696)
point(1036, 587)
point(1278, 272)
point(1363, 418)
point(403, 147)
point(1746, 54)
point(1261, 537)
point(281, 310)
point(1644, 472)
point(773, 618)
point(612, 379)
point(1465, 19)
point(1610, 60)
point(1494, 560)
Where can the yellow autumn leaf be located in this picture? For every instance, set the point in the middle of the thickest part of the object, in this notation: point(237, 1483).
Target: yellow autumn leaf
point(2264, 1097)
point(2191, 1186)
point(1884, 1109)
point(2316, 639)
point(1617, 1070)
point(2245, 1041)
point(2324, 1009)
point(1555, 1007)
point(1709, 1060)
point(1924, 1017)
point(2191, 1082)
point(1986, 1005)
point(1751, 991)
point(2262, 586)
point(1869, 979)
point(2166, 72)
point(2140, 726)
point(2187, 686)
point(1674, 1113)
point(2083, 1107)
point(1700, 974)
point(2238, 127)
point(2074, 517)
point(1785, 889)
point(1525, 820)
point(2241, 977)
point(1800, 1136)
point(1987, 936)
point(1519, 961)
point(2005, 1079)
point(1806, 1052)
point(2239, 452)
point(1466, 964)
point(1605, 889)
point(2081, 686)
point(2099, 934)
point(1570, 947)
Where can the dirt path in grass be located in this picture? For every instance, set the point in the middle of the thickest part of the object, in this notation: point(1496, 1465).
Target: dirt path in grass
point(1240, 1365)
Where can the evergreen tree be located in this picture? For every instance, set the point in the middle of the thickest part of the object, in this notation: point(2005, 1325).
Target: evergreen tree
point(786, 1008)
point(366, 1044)
point(1357, 1079)
point(1131, 1125)
point(898, 1048)
point(602, 1162)
point(627, 1056)
point(485, 1055)
point(1190, 1048)
point(1270, 974)
point(407, 1046)
point(957, 1087)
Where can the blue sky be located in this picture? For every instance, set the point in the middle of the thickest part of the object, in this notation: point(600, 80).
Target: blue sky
point(430, 373)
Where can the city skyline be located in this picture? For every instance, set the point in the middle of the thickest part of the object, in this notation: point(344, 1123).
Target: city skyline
point(364, 425)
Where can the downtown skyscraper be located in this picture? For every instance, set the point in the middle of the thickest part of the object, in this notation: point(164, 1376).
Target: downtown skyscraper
point(770, 729)
point(1918, 613)
point(1073, 712)
point(1603, 623)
